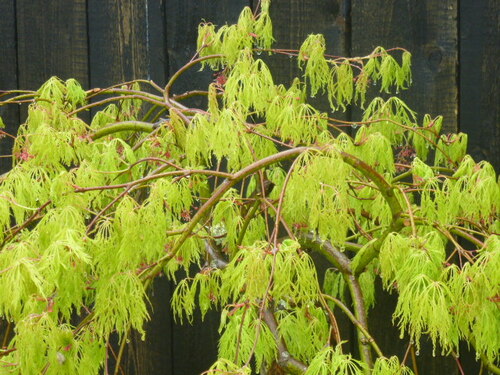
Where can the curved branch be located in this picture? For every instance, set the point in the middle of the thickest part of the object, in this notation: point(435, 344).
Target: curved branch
point(356, 322)
point(189, 94)
point(138, 126)
point(285, 360)
point(334, 256)
point(117, 98)
point(386, 189)
point(360, 313)
point(364, 257)
point(343, 263)
point(491, 367)
point(216, 196)
point(16, 230)
point(177, 74)
point(154, 176)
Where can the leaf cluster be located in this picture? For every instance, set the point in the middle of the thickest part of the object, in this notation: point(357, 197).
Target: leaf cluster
point(229, 200)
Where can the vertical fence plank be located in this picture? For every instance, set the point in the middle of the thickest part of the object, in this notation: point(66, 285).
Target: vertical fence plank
point(52, 40)
point(8, 78)
point(153, 38)
point(480, 89)
point(128, 41)
point(157, 41)
point(428, 29)
point(154, 355)
point(294, 20)
point(117, 40)
point(195, 346)
point(479, 78)
point(182, 20)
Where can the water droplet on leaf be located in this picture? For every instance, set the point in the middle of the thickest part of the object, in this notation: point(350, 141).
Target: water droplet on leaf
point(285, 355)
point(60, 358)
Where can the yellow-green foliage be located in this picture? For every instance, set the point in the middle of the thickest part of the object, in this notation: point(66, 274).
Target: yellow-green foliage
point(243, 322)
point(250, 84)
point(120, 304)
point(313, 325)
point(228, 200)
point(230, 40)
point(312, 54)
point(424, 139)
point(390, 365)
point(317, 195)
point(332, 361)
point(53, 348)
point(476, 310)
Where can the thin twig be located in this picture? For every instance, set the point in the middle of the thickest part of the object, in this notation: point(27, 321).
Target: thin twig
point(121, 351)
point(216, 196)
point(459, 365)
point(27, 222)
point(407, 352)
point(280, 202)
point(6, 335)
point(414, 360)
point(356, 322)
point(240, 331)
point(177, 74)
point(284, 359)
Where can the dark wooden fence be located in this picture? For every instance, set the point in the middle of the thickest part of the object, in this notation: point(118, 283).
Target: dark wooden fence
point(455, 46)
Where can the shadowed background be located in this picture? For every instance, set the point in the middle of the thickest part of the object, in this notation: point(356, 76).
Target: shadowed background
point(102, 42)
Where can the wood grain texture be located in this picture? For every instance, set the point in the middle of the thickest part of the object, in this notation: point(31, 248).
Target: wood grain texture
point(479, 78)
point(156, 41)
point(126, 39)
point(8, 78)
point(194, 347)
point(51, 40)
point(428, 29)
point(182, 20)
point(154, 354)
point(117, 40)
point(294, 20)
